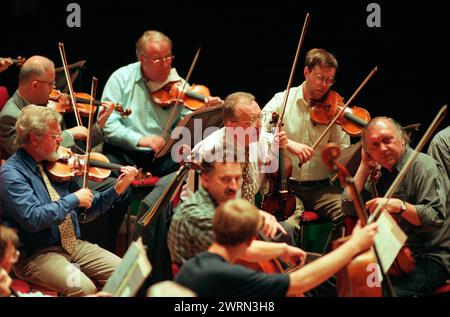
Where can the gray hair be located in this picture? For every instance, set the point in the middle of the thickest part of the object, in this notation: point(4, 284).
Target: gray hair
point(34, 119)
point(150, 36)
point(232, 102)
point(398, 129)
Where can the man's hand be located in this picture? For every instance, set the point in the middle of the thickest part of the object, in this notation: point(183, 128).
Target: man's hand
point(5, 63)
point(153, 142)
point(213, 101)
point(85, 197)
point(363, 238)
point(270, 225)
point(391, 205)
point(280, 139)
point(5, 283)
point(128, 175)
point(302, 151)
point(79, 132)
point(105, 112)
point(294, 255)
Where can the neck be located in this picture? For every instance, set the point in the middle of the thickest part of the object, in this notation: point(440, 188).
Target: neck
point(306, 94)
point(34, 155)
point(230, 254)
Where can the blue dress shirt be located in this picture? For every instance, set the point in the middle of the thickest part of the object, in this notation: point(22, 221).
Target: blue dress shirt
point(27, 206)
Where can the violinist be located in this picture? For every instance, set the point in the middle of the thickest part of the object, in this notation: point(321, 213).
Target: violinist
point(421, 204)
point(45, 212)
point(135, 139)
point(36, 81)
point(235, 224)
point(310, 182)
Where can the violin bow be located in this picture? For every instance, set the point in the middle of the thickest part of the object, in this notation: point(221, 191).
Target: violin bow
point(344, 107)
point(172, 113)
point(402, 174)
point(294, 65)
point(89, 142)
point(69, 83)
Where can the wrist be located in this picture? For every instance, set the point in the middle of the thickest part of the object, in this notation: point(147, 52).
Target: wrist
point(402, 207)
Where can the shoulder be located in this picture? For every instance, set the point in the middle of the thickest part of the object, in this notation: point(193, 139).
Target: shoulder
point(126, 72)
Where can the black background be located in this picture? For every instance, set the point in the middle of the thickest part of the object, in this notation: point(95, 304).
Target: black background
point(250, 46)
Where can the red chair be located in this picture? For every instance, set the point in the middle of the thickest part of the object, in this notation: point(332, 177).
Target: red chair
point(4, 96)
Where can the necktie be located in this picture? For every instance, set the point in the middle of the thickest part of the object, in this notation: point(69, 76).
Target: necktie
point(68, 238)
point(247, 183)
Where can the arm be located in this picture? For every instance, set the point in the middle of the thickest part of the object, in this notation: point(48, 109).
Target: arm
point(315, 273)
point(32, 210)
point(259, 251)
point(119, 131)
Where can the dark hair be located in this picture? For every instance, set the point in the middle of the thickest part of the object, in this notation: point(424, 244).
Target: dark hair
point(319, 56)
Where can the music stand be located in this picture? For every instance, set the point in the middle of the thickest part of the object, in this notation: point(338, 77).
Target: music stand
point(195, 124)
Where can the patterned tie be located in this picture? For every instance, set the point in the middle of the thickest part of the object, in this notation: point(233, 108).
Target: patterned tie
point(247, 183)
point(68, 238)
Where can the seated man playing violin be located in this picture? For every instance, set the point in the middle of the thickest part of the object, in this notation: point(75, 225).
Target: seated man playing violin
point(235, 224)
point(135, 139)
point(309, 180)
point(46, 213)
point(420, 207)
point(36, 79)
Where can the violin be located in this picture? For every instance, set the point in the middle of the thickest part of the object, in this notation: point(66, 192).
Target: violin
point(192, 98)
point(61, 102)
point(279, 201)
point(69, 164)
point(352, 120)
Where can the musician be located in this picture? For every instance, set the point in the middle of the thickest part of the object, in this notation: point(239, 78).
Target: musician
point(420, 205)
point(135, 139)
point(45, 212)
point(235, 225)
point(242, 120)
point(310, 182)
point(36, 81)
point(190, 229)
point(439, 149)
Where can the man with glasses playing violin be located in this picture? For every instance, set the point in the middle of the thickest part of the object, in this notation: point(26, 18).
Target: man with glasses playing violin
point(137, 138)
point(309, 179)
point(36, 81)
point(46, 213)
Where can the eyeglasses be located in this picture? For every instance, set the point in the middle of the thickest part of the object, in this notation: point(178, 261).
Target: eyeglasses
point(319, 78)
point(253, 121)
point(160, 60)
point(51, 83)
point(56, 135)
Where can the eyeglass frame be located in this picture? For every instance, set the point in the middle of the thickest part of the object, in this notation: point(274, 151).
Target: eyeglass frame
point(322, 79)
point(254, 121)
point(160, 60)
point(53, 83)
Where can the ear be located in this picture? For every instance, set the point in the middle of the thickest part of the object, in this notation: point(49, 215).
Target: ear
point(205, 180)
point(34, 138)
point(306, 71)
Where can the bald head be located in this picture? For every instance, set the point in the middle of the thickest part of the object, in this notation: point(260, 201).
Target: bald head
point(34, 68)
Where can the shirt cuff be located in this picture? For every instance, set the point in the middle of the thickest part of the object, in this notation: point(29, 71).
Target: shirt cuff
point(68, 140)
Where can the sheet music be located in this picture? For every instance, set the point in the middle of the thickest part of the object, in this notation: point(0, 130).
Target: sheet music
point(389, 240)
point(131, 272)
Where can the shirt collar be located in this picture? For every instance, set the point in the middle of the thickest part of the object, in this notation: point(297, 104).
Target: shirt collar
point(403, 160)
point(207, 198)
point(27, 159)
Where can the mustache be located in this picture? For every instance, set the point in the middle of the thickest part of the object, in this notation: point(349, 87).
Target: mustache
point(230, 191)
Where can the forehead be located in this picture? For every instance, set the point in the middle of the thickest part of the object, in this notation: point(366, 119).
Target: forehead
point(54, 125)
point(154, 48)
point(326, 71)
point(248, 109)
point(227, 169)
point(381, 129)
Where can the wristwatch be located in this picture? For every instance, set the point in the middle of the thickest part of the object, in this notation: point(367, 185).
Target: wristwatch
point(402, 207)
